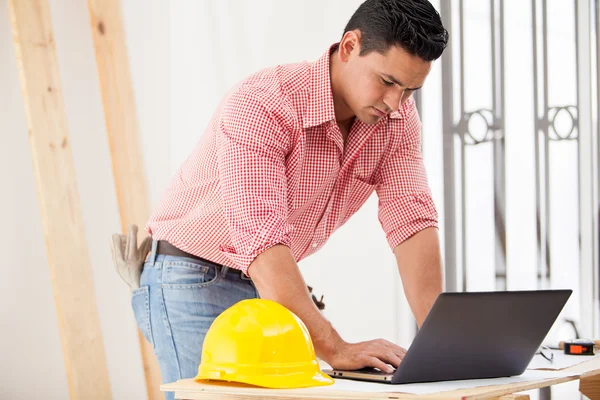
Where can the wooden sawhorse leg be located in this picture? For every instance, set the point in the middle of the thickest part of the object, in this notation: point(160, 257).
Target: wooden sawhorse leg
point(589, 385)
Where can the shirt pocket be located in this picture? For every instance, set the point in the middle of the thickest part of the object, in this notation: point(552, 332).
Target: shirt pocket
point(359, 191)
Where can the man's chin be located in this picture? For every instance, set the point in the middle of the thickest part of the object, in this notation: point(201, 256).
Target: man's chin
point(368, 119)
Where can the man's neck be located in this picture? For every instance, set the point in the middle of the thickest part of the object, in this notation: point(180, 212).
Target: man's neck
point(343, 114)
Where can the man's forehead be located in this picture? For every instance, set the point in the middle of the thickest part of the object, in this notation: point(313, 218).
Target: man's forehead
point(404, 68)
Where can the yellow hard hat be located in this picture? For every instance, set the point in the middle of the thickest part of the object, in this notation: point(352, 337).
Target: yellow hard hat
point(262, 343)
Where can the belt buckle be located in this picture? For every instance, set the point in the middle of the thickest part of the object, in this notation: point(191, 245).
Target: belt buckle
point(227, 270)
point(244, 276)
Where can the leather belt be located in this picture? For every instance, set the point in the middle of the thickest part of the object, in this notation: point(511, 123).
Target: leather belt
point(165, 248)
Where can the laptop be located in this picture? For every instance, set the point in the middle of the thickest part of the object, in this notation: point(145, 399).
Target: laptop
point(474, 335)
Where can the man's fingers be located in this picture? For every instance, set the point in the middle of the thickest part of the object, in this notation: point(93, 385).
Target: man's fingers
point(399, 351)
point(374, 353)
point(388, 356)
point(377, 363)
point(385, 352)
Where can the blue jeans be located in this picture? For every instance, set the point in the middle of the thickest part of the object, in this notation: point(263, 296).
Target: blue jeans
point(177, 301)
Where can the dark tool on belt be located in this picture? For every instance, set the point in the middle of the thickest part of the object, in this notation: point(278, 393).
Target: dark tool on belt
point(319, 303)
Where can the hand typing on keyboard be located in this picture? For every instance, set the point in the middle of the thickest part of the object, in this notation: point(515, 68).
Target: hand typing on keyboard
point(378, 353)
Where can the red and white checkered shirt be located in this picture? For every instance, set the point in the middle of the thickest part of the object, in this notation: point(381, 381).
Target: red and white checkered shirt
point(272, 168)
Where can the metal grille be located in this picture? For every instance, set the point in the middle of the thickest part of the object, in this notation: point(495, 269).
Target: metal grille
point(565, 146)
point(462, 136)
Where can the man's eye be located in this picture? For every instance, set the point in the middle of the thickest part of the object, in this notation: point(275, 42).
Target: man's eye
point(387, 83)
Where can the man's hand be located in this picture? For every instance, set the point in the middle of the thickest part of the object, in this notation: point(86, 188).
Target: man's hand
point(128, 258)
point(277, 277)
point(373, 353)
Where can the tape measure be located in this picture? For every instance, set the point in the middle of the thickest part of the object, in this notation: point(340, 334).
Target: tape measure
point(579, 347)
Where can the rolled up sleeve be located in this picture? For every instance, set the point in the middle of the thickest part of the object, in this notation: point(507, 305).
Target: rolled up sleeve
point(251, 151)
point(405, 202)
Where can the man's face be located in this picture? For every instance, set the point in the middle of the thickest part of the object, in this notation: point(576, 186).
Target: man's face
point(377, 84)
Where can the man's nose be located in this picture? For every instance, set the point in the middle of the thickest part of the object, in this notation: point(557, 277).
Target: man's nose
point(393, 99)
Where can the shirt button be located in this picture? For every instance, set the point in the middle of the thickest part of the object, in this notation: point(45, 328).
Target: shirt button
point(314, 245)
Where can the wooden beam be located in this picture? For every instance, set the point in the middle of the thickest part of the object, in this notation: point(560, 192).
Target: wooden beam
point(123, 137)
point(54, 170)
point(589, 385)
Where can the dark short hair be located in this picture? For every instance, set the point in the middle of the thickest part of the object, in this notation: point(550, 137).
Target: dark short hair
point(413, 25)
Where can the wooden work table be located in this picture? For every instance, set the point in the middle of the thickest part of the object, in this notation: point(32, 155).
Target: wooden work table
point(588, 374)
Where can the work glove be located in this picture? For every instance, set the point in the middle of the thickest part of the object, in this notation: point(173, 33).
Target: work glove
point(128, 258)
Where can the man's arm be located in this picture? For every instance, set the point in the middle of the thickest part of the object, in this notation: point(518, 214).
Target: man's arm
point(277, 277)
point(420, 266)
point(409, 219)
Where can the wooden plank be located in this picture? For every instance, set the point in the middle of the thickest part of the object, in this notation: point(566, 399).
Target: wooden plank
point(68, 257)
point(589, 385)
point(123, 137)
point(189, 389)
point(208, 395)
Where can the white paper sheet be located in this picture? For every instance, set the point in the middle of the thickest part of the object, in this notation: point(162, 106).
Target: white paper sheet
point(436, 387)
point(560, 361)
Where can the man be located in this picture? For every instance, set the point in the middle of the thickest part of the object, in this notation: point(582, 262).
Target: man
point(290, 154)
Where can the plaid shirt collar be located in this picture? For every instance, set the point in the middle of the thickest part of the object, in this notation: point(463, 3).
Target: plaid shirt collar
point(320, 103)
point(320, 99)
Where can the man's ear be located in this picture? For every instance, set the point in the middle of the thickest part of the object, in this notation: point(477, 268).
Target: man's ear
point(349, 45)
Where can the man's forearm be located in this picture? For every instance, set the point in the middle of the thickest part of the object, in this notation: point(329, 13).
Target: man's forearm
point(277, 277)
point(420, 265)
